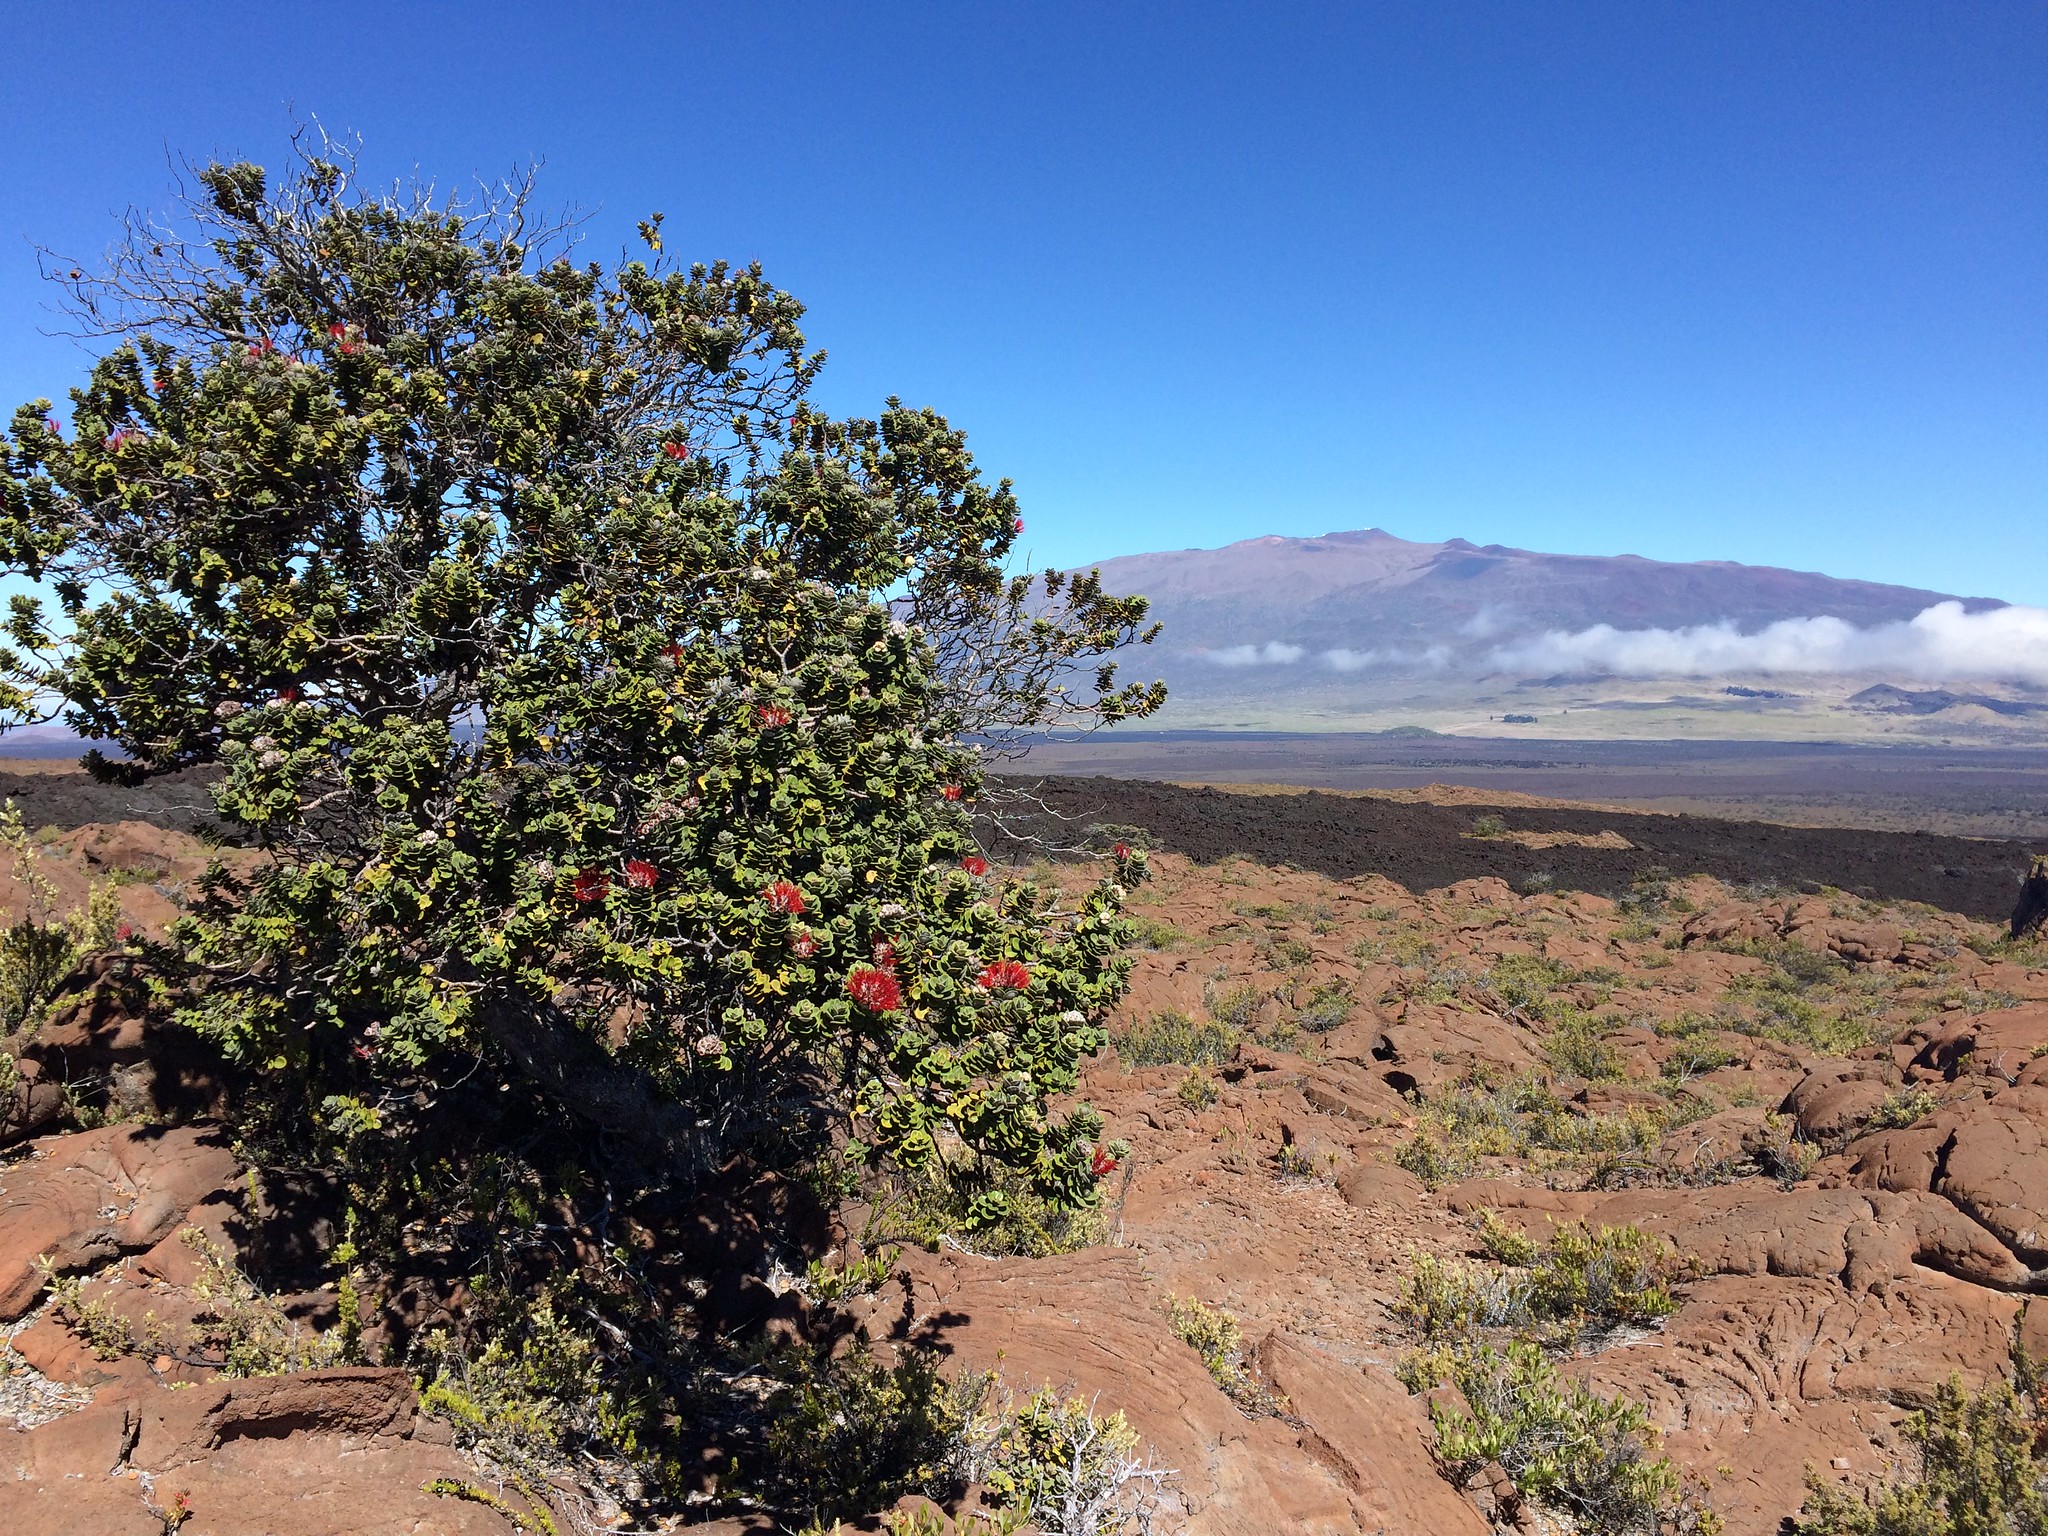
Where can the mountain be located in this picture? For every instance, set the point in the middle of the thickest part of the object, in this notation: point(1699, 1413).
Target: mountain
point(1370, 591)
point(1364, 630)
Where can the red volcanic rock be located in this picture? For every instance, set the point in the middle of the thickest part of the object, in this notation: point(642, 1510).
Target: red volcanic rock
point(1987, 1157)
point(91, 1197)
point(322, 1453)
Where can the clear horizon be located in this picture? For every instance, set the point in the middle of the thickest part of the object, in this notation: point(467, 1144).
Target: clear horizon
point(1760, 284)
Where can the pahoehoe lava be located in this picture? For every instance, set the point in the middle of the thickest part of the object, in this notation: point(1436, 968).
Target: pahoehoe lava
point(1425, 847)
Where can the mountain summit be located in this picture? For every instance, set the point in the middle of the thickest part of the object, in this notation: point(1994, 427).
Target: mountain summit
point(1365, 630)
point(1369, 591)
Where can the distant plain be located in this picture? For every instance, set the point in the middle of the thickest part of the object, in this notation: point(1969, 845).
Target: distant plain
point(1999, 792)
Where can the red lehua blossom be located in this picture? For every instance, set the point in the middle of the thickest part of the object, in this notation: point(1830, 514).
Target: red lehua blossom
point(363, 1051)
point(641, 875)
point(337, 329)
point(121, 435)
point(975, 865)
point(1122, 850)
point(1018, 526)
point(124, 933)
point(287, 695)
point(674, 653)
point(803, 946)
point(784, 897)
point(885, 954)
point(1102, 1163)
point(950, 791)
point(772, 715)
point(1004, 976)
point(676, 451)
point(876, 991)
point(591, 885)
point(262, 347)
point(51, 425)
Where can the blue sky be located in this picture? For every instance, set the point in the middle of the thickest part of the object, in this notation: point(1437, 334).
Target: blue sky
point(1755, 282)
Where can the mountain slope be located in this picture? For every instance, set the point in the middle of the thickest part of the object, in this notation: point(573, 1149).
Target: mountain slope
point(1363, 630)
point(1370, 590)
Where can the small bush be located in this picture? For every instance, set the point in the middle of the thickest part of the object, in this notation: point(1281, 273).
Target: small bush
point(1504, 1242)
point(1155, 933)
point(1172, 1039)
point(1693, 1058)
point(1492, 824)
point(1329, 1006)
point(1580, 1279)
point(238, 1330)
point(1069, 1472)
point(1608, 1277)
point(1981, 1473)
point(1782, 1155)
point(45, 945)
point(1577, 1047)
point(1197, 1090)
point(983, 1206)
point(1525, 1120)
point(1526, 981)
point(1432, 1159)
point(1562, 1445)
point(1451, 1300)
point(1214, 1334)
point(831, 1283)
point(848, 1435)
point(1902, 1109)
point(1238, 1008)
point(1291, 1162)
point(1283, 953)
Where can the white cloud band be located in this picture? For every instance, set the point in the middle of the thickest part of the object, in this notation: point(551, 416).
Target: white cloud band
point(1938, 644)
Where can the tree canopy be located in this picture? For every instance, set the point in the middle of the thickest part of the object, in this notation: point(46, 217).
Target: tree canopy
point(602, 709)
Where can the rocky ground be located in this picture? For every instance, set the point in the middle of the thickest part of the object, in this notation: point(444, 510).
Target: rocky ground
point(1834, 1109)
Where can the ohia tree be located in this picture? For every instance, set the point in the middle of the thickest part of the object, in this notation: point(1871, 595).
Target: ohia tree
point(597, 704)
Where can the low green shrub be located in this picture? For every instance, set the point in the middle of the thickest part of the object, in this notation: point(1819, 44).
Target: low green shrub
point(1149, 932)
point(1526, 981)
point(1609, 1276)
point(239, 1329)
point(1525, 1120)
point(1604, 1278)
point(1577, 1047)
point(1902, 1109)
point(1433, 1159)
point(1982, 1473)
point(1328, 1007)
point(1215, 1335)
point(848, 1435)
point(44, 945)
point(1237, 1008)
point(1780, 1154)
point(1197, 1090)
point(1170, 1038)
point(830, 1283)
point(1068, 1472)
point(536, 1404)
point(1563, 1446)
point(981, 1205)
point(1442, 1299)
